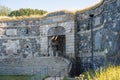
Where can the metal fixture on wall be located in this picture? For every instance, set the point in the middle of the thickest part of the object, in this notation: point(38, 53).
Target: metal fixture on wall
point(91, 27)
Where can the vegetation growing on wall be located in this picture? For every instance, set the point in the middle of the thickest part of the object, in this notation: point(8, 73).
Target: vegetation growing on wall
point(5, 11)
point(27, 12)
point(7, 15)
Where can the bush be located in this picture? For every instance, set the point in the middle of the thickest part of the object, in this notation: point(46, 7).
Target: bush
point(26, 12)
point(111, 73)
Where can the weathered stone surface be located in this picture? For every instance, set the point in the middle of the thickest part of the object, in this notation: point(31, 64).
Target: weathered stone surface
point(48, 65)
point(105, 31)
point(1, 31)
point(60, 34)
point(97, 21)
point(11, 32)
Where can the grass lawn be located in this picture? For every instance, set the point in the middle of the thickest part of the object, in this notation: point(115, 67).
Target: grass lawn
point(16, 77)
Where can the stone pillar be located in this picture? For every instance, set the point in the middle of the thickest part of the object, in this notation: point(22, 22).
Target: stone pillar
point(44, 45)
point(70, 45)
point(70, 39)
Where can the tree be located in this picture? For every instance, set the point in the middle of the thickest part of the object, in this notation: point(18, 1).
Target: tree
point(27, 12)
point(4, 11)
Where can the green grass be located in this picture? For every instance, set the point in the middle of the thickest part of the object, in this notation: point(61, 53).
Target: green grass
point(16, 77)
point(21, 77)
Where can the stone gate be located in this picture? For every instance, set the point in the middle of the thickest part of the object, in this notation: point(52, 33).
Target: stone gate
point(56, 26)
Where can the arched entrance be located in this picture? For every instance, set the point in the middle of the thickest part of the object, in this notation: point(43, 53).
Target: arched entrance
point(56, 41)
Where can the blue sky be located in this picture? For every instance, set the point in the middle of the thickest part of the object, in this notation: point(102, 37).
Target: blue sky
point(49, 5)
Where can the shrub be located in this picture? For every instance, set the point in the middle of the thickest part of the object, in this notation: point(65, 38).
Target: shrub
point(110, 73)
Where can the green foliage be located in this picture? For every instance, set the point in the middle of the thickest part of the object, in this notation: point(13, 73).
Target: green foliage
point(4, 11)
point(12, 77)
point(110, 73)
point(27, 12)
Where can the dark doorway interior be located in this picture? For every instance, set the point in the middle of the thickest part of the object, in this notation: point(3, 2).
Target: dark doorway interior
point(57, 45)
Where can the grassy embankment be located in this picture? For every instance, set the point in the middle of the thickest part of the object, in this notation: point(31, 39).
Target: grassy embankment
point(111, 73)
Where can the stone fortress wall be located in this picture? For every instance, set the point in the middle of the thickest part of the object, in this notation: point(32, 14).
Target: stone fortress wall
point(23, 51)
point(19, 38)
point(106, 32)
point(24, 42)
point(19, 41)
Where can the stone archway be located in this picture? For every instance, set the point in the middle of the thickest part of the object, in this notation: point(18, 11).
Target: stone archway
point(56, 41)
point(55, 31)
